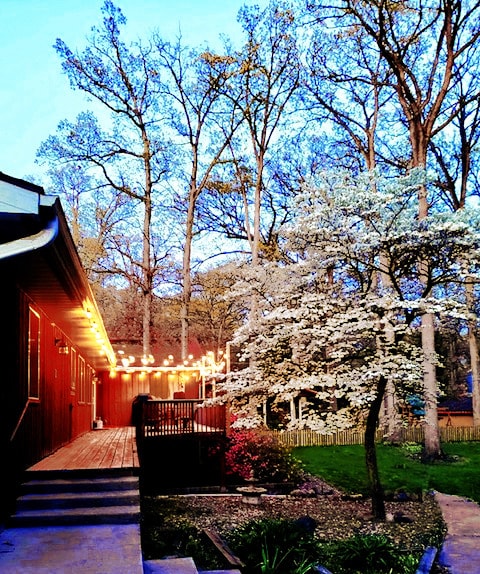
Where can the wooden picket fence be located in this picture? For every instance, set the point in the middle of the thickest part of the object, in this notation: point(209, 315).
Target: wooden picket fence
point(296, 438)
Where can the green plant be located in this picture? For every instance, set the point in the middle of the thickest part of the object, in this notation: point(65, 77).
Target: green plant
point(269, 546)
point(253, 454)
point(276, 563)
point(412, 449)
point(368, 554)
point(272, 565)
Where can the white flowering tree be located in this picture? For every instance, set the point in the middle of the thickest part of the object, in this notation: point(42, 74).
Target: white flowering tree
point(327, 325)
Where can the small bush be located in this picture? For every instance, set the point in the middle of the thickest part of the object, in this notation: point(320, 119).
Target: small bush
point(368, 554)
point(270, 546)
point(253, 454)
point(413, 450)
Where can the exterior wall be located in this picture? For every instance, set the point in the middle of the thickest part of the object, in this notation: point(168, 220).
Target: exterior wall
point(115, 396)
point(59, 407)
point(117, 390)
point(456, 420)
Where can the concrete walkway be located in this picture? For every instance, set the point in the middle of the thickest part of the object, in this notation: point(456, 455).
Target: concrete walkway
point(461, 550)
point(103, 549)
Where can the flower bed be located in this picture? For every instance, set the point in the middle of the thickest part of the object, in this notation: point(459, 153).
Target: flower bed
point(335, 518)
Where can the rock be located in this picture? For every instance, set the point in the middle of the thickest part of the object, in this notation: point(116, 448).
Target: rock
point(303, 493)
point(307, 523)
point(400, 518)
point(401, 496)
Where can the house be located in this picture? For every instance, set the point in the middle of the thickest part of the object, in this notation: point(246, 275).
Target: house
point(61, 374)
point(53, 338)
point(456, 412)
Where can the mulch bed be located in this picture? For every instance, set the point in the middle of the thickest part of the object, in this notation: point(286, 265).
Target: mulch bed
point(409, 523)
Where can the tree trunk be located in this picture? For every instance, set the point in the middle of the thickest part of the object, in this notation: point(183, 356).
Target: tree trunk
point(432, 448)
point(256, 236)
point(472, 343)
point(147, 279)
point(186, 270)
point(377, 494)
point(390, 418)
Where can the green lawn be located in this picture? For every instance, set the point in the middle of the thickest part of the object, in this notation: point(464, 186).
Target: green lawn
point(344, 467)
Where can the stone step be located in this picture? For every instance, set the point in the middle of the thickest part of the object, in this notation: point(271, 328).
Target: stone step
point(69, 500)
point(79, 485)
point(129, 514)
point(63, 500)
point(170, 566)
point(179, 566)
point(91, 473)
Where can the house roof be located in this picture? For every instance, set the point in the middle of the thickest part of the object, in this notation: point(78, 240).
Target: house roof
point(463, 405)
point(36, 247)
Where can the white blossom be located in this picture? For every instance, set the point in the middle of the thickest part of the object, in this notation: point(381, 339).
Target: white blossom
point(327, 322)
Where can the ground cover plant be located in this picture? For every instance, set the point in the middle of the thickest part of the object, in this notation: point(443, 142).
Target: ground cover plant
point(400, 468)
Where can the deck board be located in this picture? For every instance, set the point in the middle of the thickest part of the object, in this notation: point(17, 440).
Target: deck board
point(98, 449)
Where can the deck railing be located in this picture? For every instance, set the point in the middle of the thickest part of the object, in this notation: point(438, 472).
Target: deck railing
point(181, 417)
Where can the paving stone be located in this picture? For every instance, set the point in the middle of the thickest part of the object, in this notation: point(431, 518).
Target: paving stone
point(460, 552)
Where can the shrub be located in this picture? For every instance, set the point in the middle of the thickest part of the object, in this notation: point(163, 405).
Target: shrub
point(253, 454)
point(413, 450)
point(368, 554)
point(275, 546)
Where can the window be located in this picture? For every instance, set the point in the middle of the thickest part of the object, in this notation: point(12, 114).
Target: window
point(90, 384)
point(33, 354)
point(81, 380)
point(73, 371)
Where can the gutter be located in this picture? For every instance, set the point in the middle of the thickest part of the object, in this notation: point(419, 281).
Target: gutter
point(32, 242)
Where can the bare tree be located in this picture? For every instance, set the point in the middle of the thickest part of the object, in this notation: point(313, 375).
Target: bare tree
point(265, 79)
point(130, 156)
point(215, 315)
point(94, 219)
point(348, 95)
point(455, 159)
point(203, 125)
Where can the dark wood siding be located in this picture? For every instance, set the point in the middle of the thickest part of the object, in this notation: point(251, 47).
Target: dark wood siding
point(116, 394)
point(36, 427)
point(117, 391)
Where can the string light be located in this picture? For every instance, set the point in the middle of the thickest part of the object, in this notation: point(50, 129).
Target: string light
point(99, 333)
point(206, 366)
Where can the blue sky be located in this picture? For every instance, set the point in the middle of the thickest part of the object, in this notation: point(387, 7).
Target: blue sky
point(34, 93)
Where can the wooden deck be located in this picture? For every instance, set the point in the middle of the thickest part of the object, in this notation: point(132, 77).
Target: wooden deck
point(107, 448)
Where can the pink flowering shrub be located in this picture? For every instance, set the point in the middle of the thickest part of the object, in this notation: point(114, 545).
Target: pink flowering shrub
point(252, 454)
